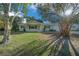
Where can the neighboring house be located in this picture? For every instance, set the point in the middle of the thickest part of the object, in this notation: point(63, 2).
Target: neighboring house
point(75, 27)
point(54, 27)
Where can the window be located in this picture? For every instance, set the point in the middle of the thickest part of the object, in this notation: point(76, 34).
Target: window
point(33, 27)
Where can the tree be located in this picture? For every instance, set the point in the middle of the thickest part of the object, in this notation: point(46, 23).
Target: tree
point(6, 24)
point(15, 23)
point(67, 13)
point(6, 8)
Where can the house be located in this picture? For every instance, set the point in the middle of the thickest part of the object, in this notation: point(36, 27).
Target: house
point(75, 27)
point(36, 26)
point(31, 26)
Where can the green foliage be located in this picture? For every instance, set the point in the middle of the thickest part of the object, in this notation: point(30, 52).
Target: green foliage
point(14, 7)
point(15, 24)
point(1, 23)
point(43, 10)
point(59, 9)
point(25, 8)
point(6, 7)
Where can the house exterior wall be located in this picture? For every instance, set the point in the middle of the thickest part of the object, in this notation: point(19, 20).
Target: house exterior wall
point(26, 27)
point(75, 27)
point(20, 28)
point(54, 26)
point(40, 27)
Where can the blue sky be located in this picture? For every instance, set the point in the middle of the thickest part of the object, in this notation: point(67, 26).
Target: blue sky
point(31, 12)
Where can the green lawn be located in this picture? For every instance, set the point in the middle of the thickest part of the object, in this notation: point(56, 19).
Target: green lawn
point(33, 44)
point(24, 44)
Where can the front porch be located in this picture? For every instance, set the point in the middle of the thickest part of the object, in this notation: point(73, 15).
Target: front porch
point(31, 27)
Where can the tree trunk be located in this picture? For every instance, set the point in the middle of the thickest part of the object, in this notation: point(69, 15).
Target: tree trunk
point(65, 33)
point(65, 30)
point(6, 30)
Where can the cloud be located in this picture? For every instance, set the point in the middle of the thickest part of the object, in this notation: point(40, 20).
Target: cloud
point(33, 7)
point(68, 12)
point(11, 13)
point(32, 11)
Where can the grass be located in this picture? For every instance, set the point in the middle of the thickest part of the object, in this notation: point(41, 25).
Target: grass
point(23, 44)
point(30, 44)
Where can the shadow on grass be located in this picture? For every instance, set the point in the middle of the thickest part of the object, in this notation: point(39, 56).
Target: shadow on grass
point(62, 48)
point(57, 46)
point(75, 35)
point(33, 48)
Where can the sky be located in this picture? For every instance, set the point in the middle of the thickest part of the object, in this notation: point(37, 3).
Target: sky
point(32, 11)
